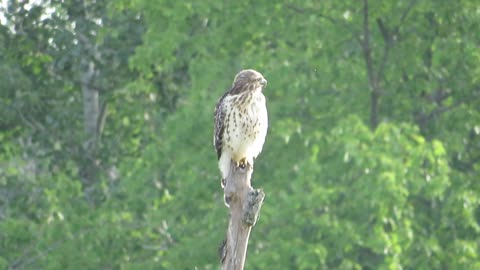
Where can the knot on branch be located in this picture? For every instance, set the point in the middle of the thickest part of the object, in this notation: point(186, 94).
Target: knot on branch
point(251, 207)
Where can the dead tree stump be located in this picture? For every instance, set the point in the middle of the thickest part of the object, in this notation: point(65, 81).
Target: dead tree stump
point(245, 204)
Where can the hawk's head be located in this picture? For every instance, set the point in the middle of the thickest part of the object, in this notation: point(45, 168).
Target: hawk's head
point(248, 80)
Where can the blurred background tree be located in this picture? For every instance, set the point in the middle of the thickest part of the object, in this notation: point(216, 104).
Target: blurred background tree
point(372, 158)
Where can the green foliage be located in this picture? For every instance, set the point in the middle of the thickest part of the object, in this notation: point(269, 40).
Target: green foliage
point(341, 193)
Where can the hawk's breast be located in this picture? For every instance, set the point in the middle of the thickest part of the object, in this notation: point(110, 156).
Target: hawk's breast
point(246, 124)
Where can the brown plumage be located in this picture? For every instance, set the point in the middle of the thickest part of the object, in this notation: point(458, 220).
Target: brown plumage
point(241, 121)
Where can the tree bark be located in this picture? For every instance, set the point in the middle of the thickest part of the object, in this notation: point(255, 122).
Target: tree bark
point(91, 104)
point(373, 80)
point(245, 204)
point(91, 111)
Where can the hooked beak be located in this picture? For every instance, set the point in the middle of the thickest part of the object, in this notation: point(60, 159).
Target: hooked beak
point(263, 83)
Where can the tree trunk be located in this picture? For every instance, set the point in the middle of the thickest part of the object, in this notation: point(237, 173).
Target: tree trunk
point(91, 114)
point(245, 204)
point(373, 80)
point(91, 108)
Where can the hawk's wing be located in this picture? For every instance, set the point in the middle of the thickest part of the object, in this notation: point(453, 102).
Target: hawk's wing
point(219, 126)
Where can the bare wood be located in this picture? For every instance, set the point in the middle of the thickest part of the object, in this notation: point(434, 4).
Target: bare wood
point(245, 204)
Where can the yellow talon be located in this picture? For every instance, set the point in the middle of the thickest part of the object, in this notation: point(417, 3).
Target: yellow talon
point(243, 163)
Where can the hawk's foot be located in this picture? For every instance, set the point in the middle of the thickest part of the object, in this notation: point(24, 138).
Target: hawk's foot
point(223, 182)
point(243, 163)
point(226, 200)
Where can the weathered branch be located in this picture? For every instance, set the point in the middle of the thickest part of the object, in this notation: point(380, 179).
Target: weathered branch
point(245, 204)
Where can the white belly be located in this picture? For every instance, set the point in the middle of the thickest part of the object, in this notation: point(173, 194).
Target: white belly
point(244, 137)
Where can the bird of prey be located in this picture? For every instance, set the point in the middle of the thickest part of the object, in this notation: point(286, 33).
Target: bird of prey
point(241, 122)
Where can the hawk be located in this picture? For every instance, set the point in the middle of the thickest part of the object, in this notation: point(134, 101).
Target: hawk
point(241, 122)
